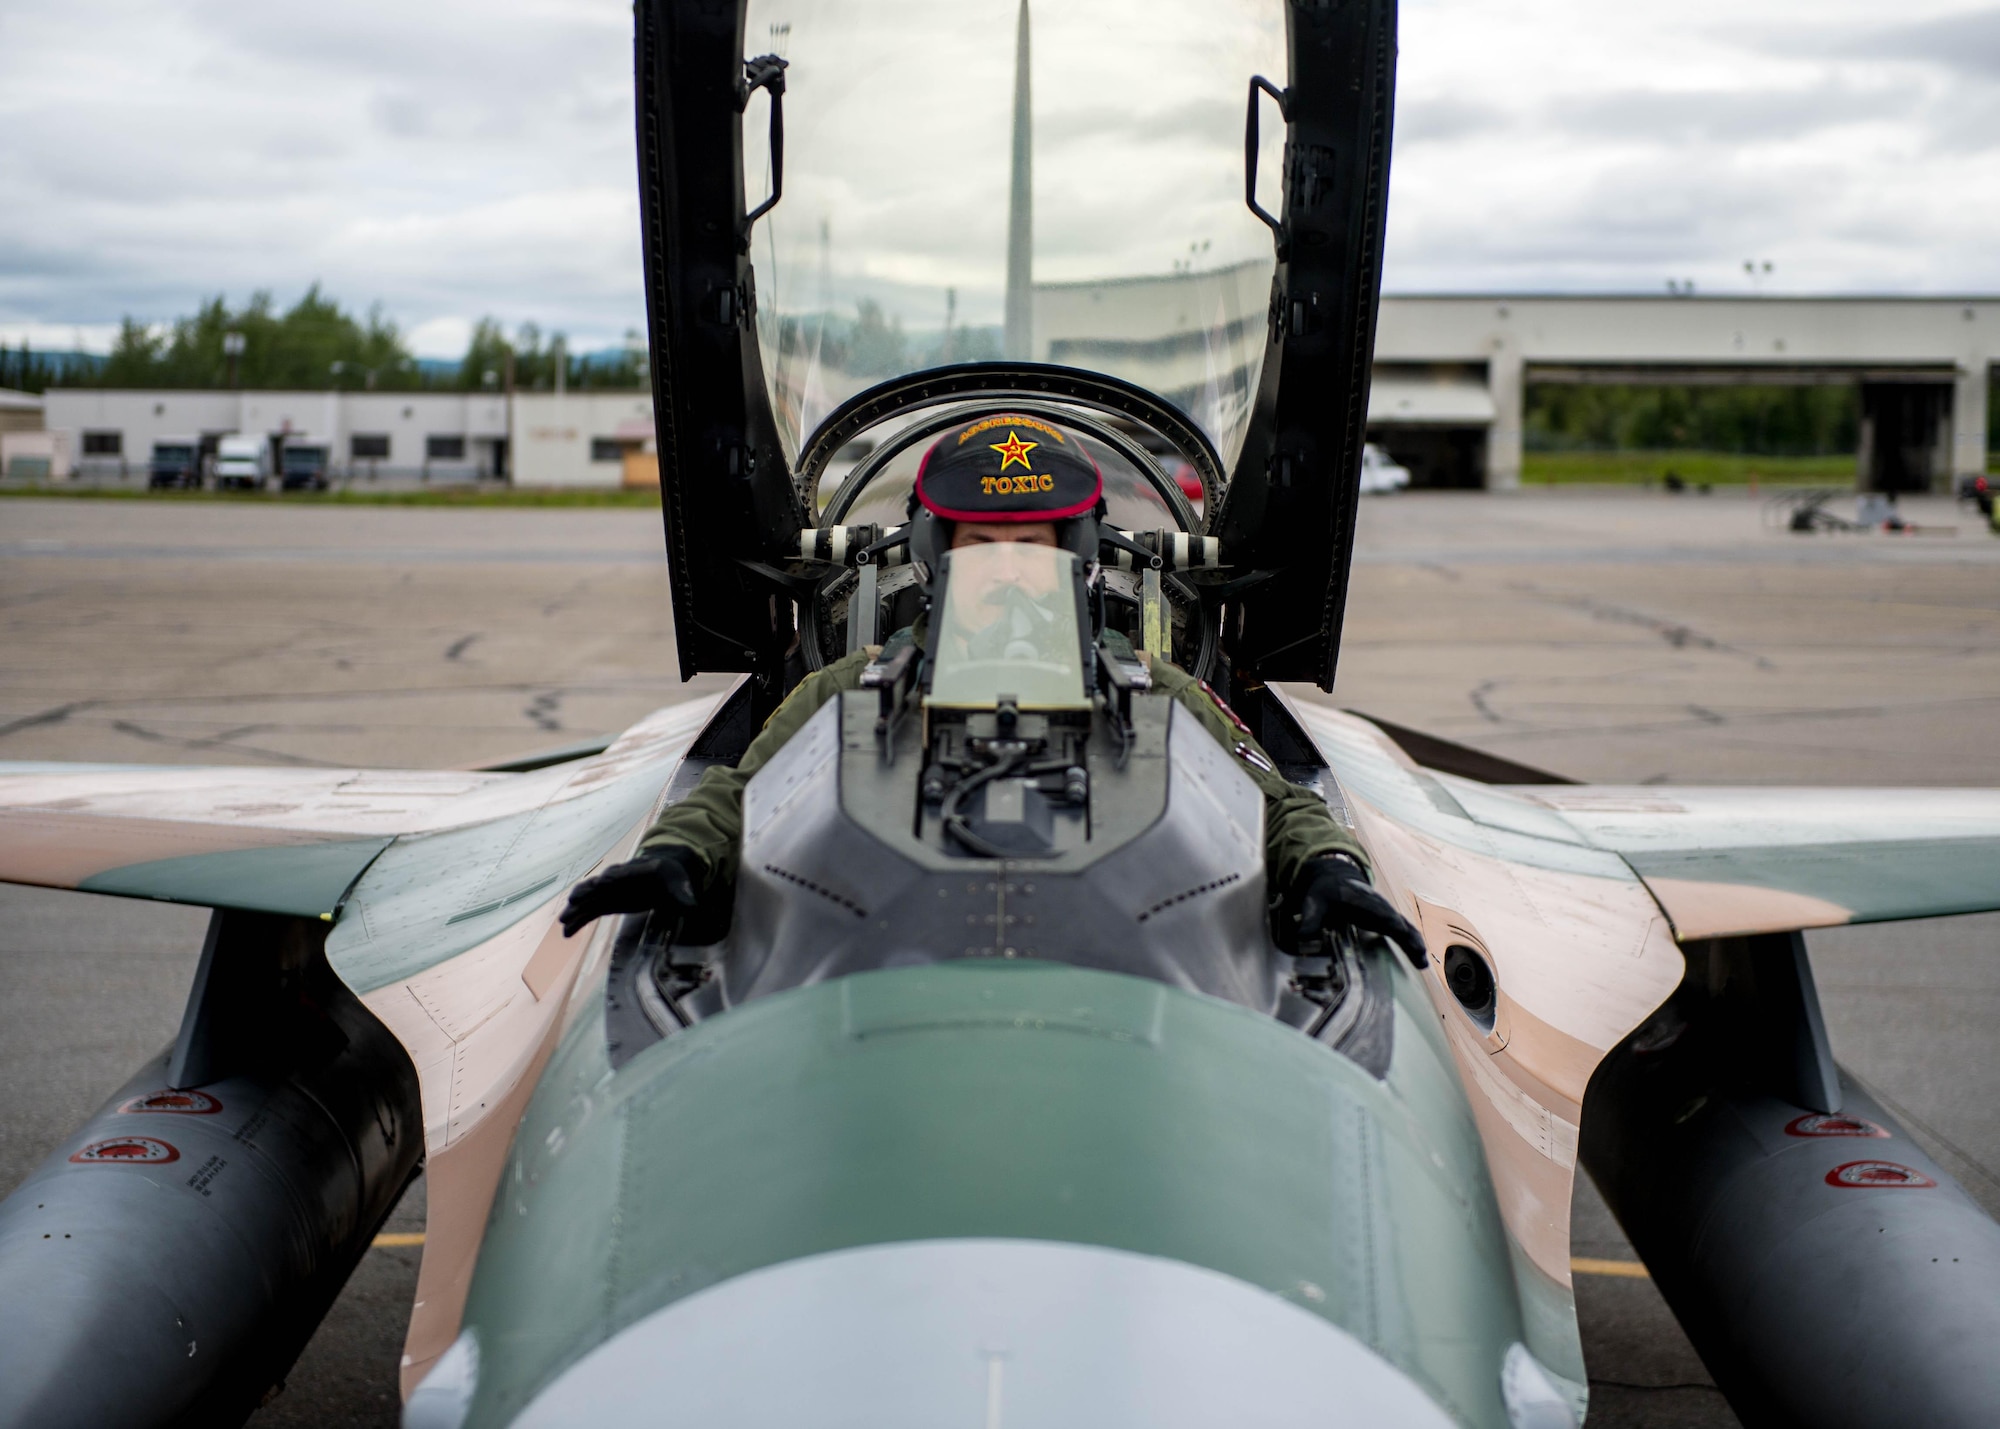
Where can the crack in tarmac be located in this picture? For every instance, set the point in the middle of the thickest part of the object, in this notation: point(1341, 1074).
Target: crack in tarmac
point(49, 716)
point(226, 740)
point(1675, 633)
point(1520, 729)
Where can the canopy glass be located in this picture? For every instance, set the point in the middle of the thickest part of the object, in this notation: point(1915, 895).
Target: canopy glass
point(985, 179)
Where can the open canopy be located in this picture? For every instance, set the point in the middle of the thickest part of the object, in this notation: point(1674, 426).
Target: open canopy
point(987, 180)
point(1165, 213)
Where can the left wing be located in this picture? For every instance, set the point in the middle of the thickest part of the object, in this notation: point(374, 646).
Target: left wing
point(1577, 895)
point(1721, 862)
point(1724, 862)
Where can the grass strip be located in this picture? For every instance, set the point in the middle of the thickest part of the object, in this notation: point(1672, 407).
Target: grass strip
point(1641, 468)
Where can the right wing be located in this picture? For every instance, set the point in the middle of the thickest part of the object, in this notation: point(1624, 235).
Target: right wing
point(442, 890)
point(268, 840)
point(450, 855)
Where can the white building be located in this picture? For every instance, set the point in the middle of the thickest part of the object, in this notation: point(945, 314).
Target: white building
point(429, 436)
point(584, 439)
point(27, 451)
point(20, 411)
point(576, 439)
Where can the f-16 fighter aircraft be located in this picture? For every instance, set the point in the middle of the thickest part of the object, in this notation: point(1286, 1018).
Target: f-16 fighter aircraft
point(987, 1075)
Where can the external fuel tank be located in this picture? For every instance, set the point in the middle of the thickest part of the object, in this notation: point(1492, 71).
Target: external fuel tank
point(1829, 1272)
point(166, 1264)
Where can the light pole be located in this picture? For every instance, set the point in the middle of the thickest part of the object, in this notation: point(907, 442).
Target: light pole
point(232, 348)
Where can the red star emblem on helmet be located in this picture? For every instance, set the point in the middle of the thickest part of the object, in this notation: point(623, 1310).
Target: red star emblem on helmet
point(1013, 450)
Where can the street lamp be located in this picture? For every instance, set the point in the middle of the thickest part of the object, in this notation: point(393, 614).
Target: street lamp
point(232, 348)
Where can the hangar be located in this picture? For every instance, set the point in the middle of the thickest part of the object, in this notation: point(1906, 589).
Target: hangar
point(1923, 365)
point(1452, 372)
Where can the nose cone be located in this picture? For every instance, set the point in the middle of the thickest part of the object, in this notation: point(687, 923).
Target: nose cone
point(982, 1332)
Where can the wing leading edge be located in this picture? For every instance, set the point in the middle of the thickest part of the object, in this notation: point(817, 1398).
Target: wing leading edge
point(269, 841)
point(295, 841)
point(1727, 862)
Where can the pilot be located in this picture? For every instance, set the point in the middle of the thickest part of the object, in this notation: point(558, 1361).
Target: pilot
point(1004, 478)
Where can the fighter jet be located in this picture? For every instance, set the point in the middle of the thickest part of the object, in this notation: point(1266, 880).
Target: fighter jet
point(1002, 1095)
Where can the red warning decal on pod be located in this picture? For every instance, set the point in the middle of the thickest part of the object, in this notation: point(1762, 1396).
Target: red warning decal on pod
point(1876, 1173)
point(127, 1150)
point(182, 1103)
point(1819, 1124)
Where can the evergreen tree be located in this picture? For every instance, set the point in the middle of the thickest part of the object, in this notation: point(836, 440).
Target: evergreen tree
point(315, 344)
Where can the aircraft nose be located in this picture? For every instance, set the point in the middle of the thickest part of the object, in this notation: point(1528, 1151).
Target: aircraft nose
point(981, 1332)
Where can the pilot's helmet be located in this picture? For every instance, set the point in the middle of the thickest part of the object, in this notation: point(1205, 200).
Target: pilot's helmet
point(1002, 469)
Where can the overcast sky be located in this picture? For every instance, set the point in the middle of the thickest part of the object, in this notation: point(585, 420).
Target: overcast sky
point(452, 159)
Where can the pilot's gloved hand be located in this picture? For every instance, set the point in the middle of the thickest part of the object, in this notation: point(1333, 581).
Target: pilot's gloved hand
point(1334, 892)
point(664, 878)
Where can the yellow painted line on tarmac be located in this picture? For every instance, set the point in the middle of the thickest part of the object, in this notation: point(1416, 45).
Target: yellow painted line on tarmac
point(1589, 1265)
point(395, 1238)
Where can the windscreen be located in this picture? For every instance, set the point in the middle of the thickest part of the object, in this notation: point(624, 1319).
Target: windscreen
point(1008, 628)
point(992, 179)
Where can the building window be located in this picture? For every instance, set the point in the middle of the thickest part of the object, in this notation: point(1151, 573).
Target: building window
point(369, 448)
point(104, 444)
point(444, 448)
point(606, 449)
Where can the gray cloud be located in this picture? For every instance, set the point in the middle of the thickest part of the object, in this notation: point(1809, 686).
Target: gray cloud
point(1735, 116)
point(1442, 119)
point(449, 159)
point(1968, 43)
point(461, 157)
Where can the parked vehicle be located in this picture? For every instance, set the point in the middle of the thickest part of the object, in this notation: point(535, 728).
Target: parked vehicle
point(176, 463)
point(305, 464)
point(1980, 491)
point(240, 463)
point(1380, 472)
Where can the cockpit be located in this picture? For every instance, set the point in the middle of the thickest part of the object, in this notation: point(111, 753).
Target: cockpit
point(1150, 235)
point(1147, 559)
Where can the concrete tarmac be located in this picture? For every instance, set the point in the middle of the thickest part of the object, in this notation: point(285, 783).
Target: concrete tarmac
point(1621, 638)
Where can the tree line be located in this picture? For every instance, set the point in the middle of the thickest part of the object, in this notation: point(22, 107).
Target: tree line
point(317, 345)
point(1755, 421)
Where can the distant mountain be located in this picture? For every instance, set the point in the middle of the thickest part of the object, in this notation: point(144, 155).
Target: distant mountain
point(27, 370)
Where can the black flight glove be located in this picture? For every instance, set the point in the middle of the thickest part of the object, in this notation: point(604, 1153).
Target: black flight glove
point(1332, 892)
point(663, 879)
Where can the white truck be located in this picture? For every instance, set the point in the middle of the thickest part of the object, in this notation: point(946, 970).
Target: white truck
point(240, 463)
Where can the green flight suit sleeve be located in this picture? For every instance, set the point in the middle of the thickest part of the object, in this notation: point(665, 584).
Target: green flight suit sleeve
point(1297, 823)
point(710, 819)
